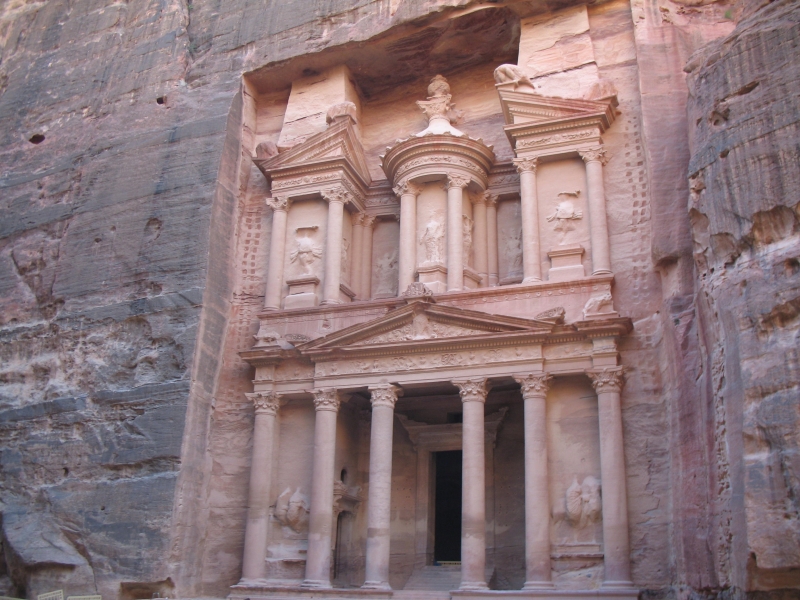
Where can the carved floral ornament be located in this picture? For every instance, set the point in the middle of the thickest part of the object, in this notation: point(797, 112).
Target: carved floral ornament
point(526, 164)
point(326, 399)
point(472, 390)
point(337, 194)
point(459, 181)
point(490, 198)
point(609, 379)
point(384, 395)
point(266, 403)
point(534, 385)
point(278, 203)
point(594, 155)
point(406, 187)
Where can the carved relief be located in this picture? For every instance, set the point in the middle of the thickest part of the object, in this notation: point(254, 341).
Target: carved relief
point(384, 395)
point(598, 305)
point(433, 240)
point(553, 314)
point(454, 180)
point(306, 251)
point(594, 154)
point(420, 328)
point(291, 511)
point(345, 260)
point(386, 274)
point(326, 399)
point(343, 109)
point(278, 203)
point(512, 248)
point(534, 385)
point(416, 290)
point(555, 139)
point(525, 164)
point(610, 379)
point(265, 402)
point(438, 159)
point(472, 390)
point(467, 240)
point(564, 216)
point(512, 74)
point(584, 505)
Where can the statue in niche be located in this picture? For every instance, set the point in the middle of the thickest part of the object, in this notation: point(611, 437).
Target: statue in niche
point(305, 251)
point(345, 260)
point(565, 216)
point(386, 274)
point(433, 240)
point(583, 502)
point(512, 249)
point(467, 237)
point(291, 511)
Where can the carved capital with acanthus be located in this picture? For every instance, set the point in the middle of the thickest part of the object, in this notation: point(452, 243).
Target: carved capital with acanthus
point(337, 194)
point(490, 198)
point(526, 164)
point(357, 219)
point(608, 379)
point(594, 154)
point(368, 221)
point(279, 203)
point(458, 181)
point(266, 403)
point(406, 187)
point(326, 399)
point(384, 395)
point(534, 385)
point(472, 390)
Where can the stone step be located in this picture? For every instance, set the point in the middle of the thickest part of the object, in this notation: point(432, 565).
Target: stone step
point(420, 595)
point(435, 578)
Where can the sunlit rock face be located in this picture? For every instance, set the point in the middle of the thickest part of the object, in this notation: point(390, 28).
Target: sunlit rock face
point(221, 222)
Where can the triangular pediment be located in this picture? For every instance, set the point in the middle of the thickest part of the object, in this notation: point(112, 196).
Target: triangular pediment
point(338, 142)
point(522, 108)
point(424, 322)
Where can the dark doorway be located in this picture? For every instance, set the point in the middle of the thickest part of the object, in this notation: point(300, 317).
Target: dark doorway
point(447, 532)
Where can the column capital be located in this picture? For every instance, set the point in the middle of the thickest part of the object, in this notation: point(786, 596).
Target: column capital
point(472, 390)
point(527, 164)
point(357, 219)
point(368, 221)
point(266, 403)
point(279, 203)
point(406, 187)
point(608, 379)
point(490, 198)
point(478, 198)
point(455, 180)
point(326, 399)
point(337, 194)
point(597, 154)
point(534, 385)
point(384, 395)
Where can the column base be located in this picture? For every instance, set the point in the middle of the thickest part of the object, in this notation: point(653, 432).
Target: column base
point(316, 584)
point(532, 280)
point(602, 272)
point(538, 585)
point(616, 584)
point(328, 302)
point(473, 586)
point(376, 585)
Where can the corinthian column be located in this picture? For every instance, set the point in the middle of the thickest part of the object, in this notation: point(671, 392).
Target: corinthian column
point(491, 239)
point(277, 248)
point(336, 198)
point(455, 231)
point(255, 535)
point(473, 487)
point(355, 255)
point(407, 258)
point(366, 261)
point(537, 499)
point(380, 486)
point(531, 261)
point(608, 384)
point(595, 158)
point(481, 242)
point(318, 561)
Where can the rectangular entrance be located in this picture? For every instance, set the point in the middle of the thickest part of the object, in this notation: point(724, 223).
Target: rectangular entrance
point(447, 507)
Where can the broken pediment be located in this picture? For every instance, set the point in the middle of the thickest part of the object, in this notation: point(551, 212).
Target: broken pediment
point(423, 321)
point(338, 143)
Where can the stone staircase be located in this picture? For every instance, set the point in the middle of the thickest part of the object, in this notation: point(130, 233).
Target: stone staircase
point(432, 579)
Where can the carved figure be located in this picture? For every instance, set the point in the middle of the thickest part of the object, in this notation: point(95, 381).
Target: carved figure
point(438, 87)
point(291, 510)
point(467, 240)
point(598, 305)
point(511, 74)
point(564, 216)
point(433, 239)
point(305, 251)
point(512, 248)
point(386, 273)
point(343, 109)
point(345, 260)
point(583, 502)
point(417, 289)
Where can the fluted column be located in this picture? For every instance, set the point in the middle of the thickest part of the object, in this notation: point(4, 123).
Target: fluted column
point(608, 384)
point(277, 248)
point(320, 524)
point(481, 242)
point(255, 535)
point(455, 231)
point(355, 254)
point(336, 198)
point(366, 262)
point(380, 486)
point(407, 257)
point(531, 254)
point(491, 239)
point(595, 158)
point(473, 487)
point(537, 499)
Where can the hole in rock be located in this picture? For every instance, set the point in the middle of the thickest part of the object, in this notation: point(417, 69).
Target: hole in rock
point(792, 267)
point(161, 100)
point(724, 154)
point(36, 138)
point(66, 471)
point(343, 476)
